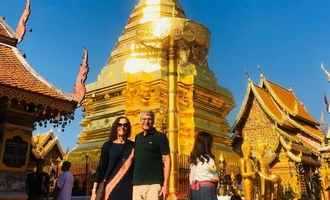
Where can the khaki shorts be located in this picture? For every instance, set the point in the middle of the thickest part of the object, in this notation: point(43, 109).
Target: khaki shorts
point(146, 192)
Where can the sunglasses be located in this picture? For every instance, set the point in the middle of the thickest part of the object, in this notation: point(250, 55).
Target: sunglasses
point(124, 125)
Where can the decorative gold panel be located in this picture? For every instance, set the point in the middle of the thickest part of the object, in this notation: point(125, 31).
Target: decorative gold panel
point(259, 129)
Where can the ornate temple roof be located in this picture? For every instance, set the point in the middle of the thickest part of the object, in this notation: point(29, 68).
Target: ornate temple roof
point(16, 72)
point(288, 101)
point(7, 35)
point(42, 144)
point(24, 89)
point(19, 81)
point(5, 30)
point(266, 101)
point(283, 107)
point(273, 110)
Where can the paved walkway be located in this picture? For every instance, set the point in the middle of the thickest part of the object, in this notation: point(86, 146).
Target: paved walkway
point(81, 198)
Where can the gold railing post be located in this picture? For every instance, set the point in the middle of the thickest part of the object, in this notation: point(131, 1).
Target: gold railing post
point(172, 117)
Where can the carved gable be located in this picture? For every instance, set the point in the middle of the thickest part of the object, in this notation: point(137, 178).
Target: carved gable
point(258, 128)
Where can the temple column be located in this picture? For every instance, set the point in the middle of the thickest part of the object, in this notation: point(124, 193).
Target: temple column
point(172, 117)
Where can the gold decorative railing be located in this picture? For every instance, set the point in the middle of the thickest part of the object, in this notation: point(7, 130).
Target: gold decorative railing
point(83, 174)
point(183, 177)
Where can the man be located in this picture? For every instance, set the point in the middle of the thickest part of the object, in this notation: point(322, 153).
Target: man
point(152, 161)
point(37, 183)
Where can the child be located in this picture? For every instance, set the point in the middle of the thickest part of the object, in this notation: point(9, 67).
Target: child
point(203, 175)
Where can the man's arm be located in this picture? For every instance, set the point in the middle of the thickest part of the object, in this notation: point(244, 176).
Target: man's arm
point(166, 172)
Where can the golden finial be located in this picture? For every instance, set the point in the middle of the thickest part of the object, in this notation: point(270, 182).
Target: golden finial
point(232, 176)
point(221, 157)
point(247, 75)
point(260, 71)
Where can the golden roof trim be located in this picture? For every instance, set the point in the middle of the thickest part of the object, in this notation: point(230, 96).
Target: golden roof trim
point(50, 140)
point(285, 119)
point(297, 140)
point(282, 121)
point(266, 83)
point(305, 154)
point(320, 137)
point(295, 111)
point(295, 143)
point(242, 108)
point(252, 88)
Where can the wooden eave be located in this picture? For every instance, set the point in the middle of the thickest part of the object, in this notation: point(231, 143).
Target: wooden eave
point(37, 99)
point(311, 161)
point(7, 40)
point(297, 144)
point(6, 30)
point(325, 149)
point(311, 131)
point(18, 80)
point(303, 152)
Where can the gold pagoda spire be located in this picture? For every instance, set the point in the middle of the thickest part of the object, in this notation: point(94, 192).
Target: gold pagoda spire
point(140, 23)
point(148, 10)
point(159, 63)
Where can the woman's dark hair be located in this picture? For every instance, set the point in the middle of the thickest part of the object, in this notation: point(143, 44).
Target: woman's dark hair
point(115, 124)
point(202, 148)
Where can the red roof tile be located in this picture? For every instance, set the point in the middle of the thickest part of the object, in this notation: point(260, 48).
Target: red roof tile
point(15, 72)
point(3, 32)
point(269, 103)
point(4, 29)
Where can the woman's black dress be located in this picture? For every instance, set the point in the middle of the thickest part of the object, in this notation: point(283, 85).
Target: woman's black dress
point(112, 158)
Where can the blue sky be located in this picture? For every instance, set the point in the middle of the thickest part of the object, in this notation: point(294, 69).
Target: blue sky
point(289, 39)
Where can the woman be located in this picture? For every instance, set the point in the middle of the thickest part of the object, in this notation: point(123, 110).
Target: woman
point(115, 163)
point(65, 182)
point(203, 175)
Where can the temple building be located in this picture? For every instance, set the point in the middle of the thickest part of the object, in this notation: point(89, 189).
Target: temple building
point(159, 63)
point(276, 133)
point(46, 147)
point(27, 101)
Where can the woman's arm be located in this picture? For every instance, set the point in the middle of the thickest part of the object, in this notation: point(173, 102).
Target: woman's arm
point(93, 195)
point(191, 174)
point(101, 168)
point(119, 175)
point(103, 163)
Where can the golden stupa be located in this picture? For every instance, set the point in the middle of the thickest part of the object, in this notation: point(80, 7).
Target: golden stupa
point(159, 63)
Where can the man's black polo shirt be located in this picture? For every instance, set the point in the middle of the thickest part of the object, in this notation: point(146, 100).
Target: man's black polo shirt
point(148, 164)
